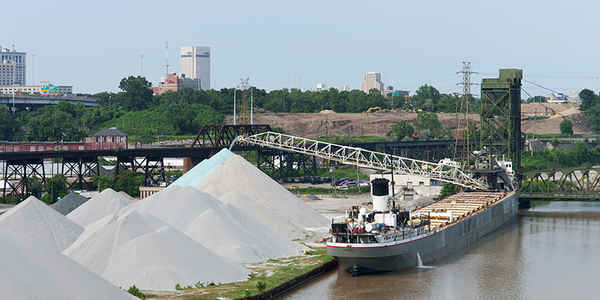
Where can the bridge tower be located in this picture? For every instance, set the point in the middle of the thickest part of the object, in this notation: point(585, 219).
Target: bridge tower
point(500, 133)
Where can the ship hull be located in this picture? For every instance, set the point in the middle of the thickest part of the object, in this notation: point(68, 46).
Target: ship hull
point(370, 258)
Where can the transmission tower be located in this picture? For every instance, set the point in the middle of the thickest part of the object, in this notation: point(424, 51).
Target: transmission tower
point(245, 113)
point(462, 114)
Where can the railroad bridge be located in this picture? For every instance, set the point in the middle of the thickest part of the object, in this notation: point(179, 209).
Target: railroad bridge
point(563, 184)
point(81, 166)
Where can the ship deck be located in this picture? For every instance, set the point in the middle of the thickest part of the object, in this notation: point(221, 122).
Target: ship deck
point(461, 205)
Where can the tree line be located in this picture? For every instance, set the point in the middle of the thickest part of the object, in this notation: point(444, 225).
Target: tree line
point(136, 111)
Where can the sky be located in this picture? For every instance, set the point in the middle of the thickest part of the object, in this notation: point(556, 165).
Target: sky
point(297, 44)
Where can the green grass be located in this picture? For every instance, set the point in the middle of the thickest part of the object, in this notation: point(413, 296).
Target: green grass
point(267, 275)
point(538, 117)
point(554, 135)
point(154, 139)
point(352, 139)
point(342, 171)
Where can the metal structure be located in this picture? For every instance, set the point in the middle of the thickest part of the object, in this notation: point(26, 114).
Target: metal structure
point(462, 114)
point(365, 158)
point(221, 136)
point(568, 183)
point(501, 117)
point(81, 168)
point(18, 173)
point(285, 165)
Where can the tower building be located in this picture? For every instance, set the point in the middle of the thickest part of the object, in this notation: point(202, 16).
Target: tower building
point(194, 63)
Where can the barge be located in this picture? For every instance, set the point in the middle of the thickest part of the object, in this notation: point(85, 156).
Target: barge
point(380, 238)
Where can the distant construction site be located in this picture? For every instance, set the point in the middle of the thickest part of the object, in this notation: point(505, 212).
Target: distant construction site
point(536, 118)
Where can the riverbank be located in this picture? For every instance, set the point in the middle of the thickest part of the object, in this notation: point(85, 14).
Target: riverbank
point(268, 279)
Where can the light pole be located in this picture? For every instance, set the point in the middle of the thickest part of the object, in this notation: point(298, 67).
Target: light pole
point(234, 116)
point(14, 73)
point(251, 106)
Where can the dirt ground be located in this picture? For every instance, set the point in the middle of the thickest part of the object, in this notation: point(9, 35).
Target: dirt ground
point(380, 123)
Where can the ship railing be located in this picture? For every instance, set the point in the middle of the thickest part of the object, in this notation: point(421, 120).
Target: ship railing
point(407, 234)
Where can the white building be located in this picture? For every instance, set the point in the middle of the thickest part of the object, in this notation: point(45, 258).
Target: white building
point(12, 67)
point(45, 89)
point(371, 81)
point(194, 63)
point(557, 98)
point(320, 87)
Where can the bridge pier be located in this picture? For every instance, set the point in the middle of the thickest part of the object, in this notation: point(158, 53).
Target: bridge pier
point(80, 168)
point(17, 174)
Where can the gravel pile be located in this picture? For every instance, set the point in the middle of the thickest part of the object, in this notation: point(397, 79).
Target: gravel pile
point(38, 225)
point(234, 181)
point(69, 203)
point(100, 205)
point(30, 271)
point(137, 248)
point(220, 227)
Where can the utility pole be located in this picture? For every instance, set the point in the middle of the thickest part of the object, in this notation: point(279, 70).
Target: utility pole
point(14, 75)
point(466, 73)
point(251, 105)
point(234, 104)
point(141, 64)
point(167, 60)
point(33, 69)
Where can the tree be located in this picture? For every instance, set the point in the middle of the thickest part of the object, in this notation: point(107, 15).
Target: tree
point(471, 133)
point(566, 127)
point(136, 94)
point(588, 99)
point(448, 190)
point(126, 181)
point(55, 187)
point(401, 130)
point(8, 124)
point(33, 186)
point(536, 99)
point(429, 121)
point(428, 92)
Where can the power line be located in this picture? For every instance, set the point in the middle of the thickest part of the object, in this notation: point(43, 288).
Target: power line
point(541, 86)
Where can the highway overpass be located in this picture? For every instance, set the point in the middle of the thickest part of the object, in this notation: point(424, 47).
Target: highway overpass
point(23, 102)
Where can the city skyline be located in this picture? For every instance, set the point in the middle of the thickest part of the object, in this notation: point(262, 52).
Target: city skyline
point(287, 45)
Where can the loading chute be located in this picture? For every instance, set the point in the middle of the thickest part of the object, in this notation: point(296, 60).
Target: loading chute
point(364, 158)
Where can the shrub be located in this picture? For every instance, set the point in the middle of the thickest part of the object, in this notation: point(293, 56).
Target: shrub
point(261, 286)
point(136, 292)
point(178, 287)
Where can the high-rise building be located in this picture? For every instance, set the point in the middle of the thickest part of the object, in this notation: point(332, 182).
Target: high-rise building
point(12, 67)
point(194, 63)
point(371, 81)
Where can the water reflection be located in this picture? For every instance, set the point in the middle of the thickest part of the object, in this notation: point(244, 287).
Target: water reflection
point(549, 252)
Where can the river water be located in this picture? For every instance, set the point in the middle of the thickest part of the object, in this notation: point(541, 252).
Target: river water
point(551, 251)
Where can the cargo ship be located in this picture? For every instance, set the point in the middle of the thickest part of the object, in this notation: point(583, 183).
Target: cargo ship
point(381, 238)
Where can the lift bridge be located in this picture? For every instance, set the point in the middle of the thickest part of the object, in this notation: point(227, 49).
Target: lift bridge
point(365, 158)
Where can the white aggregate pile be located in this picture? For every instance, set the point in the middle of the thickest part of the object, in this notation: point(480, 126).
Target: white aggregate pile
point(100, 205)
point(39, 226)
point(234, 181)
point(220, 227)
point(30, 271)
point(137, 248)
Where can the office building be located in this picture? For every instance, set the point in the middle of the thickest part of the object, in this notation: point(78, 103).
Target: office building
point(12, 67)
point(371, 81)
point(194, 63)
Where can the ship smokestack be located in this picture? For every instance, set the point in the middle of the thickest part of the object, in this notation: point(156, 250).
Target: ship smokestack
point(380, 192)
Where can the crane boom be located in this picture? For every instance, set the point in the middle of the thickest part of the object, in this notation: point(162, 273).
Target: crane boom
point(365, 158)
